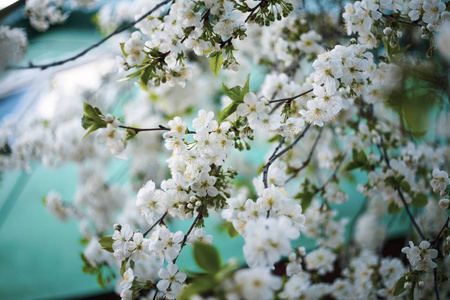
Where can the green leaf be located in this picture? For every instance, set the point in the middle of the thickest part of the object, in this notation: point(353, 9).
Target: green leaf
point(122, 47)
point(234, 93)
point(144, 78)
point(405, 186)
point(100, 280)
point(92, 119)
point(305, 198)
point(91, 129)
point(106, 242)
point(420, 200)
point(394, 208)
point(207, 257)
point(84, 241)
point(231, 230)
point(200, 285)
point(87, 267)
point(246, 87)
point(390, 180)
point(123, 267)
point(362, 157)
point(130, 134)
point(400, 286)
point(227, 111)
point(92, 113)
point(216, 63)
point(275, 138)
point(359, 160)
point(351, 166)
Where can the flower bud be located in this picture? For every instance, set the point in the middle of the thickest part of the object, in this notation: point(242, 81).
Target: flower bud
point(109, 118)
point(443, 203)
point(387, 31)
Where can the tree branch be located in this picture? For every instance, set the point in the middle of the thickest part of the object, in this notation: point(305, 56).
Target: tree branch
point(156, 223)
point(183, 243)
point(440, 232)
point(400, 193)
point(159, 128)
point(308, 159)
point(275, 156)
point(412, 23)
point(322, 188)
point(291, 98)
point(82, 53)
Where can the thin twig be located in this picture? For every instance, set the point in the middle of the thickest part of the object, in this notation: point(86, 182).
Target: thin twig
point(82, 53)
point(291, 98)
point(400, 193)
point(341, 160)
point(440, 232)
point(183, 243)
point(386, 236)
point(145, 129)
point(352, 229)
point(308, 159)
point(252, 11)
point(436, 284)
point(412, 23)
point(276, 156)
point(156, 223)
point(159, 128)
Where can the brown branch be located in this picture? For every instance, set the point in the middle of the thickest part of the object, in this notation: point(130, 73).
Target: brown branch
point(159, 128)
point(440, 232)
point(275, 156)
point(253, 10)
point(412, 23)
point(82, 53)
point(333, 176)
point(308, 159)
point(183, 243)
point(400, 193)
point(156, 223)
point(291, 98)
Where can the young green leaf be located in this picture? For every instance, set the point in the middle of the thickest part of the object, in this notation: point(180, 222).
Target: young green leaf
point(400, 286)
point(227, 111)
point(122, 47)
point(216, 63)
point(420, 200)
point(394, 208)
point(200, 285)
point(207, 257)
point(106, 242)
point(246, 87)
point(234, 93)
point(231, 230)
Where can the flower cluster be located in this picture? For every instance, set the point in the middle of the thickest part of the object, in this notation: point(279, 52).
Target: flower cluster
point(45, 13)
point(13, 44)
point(421, 257)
